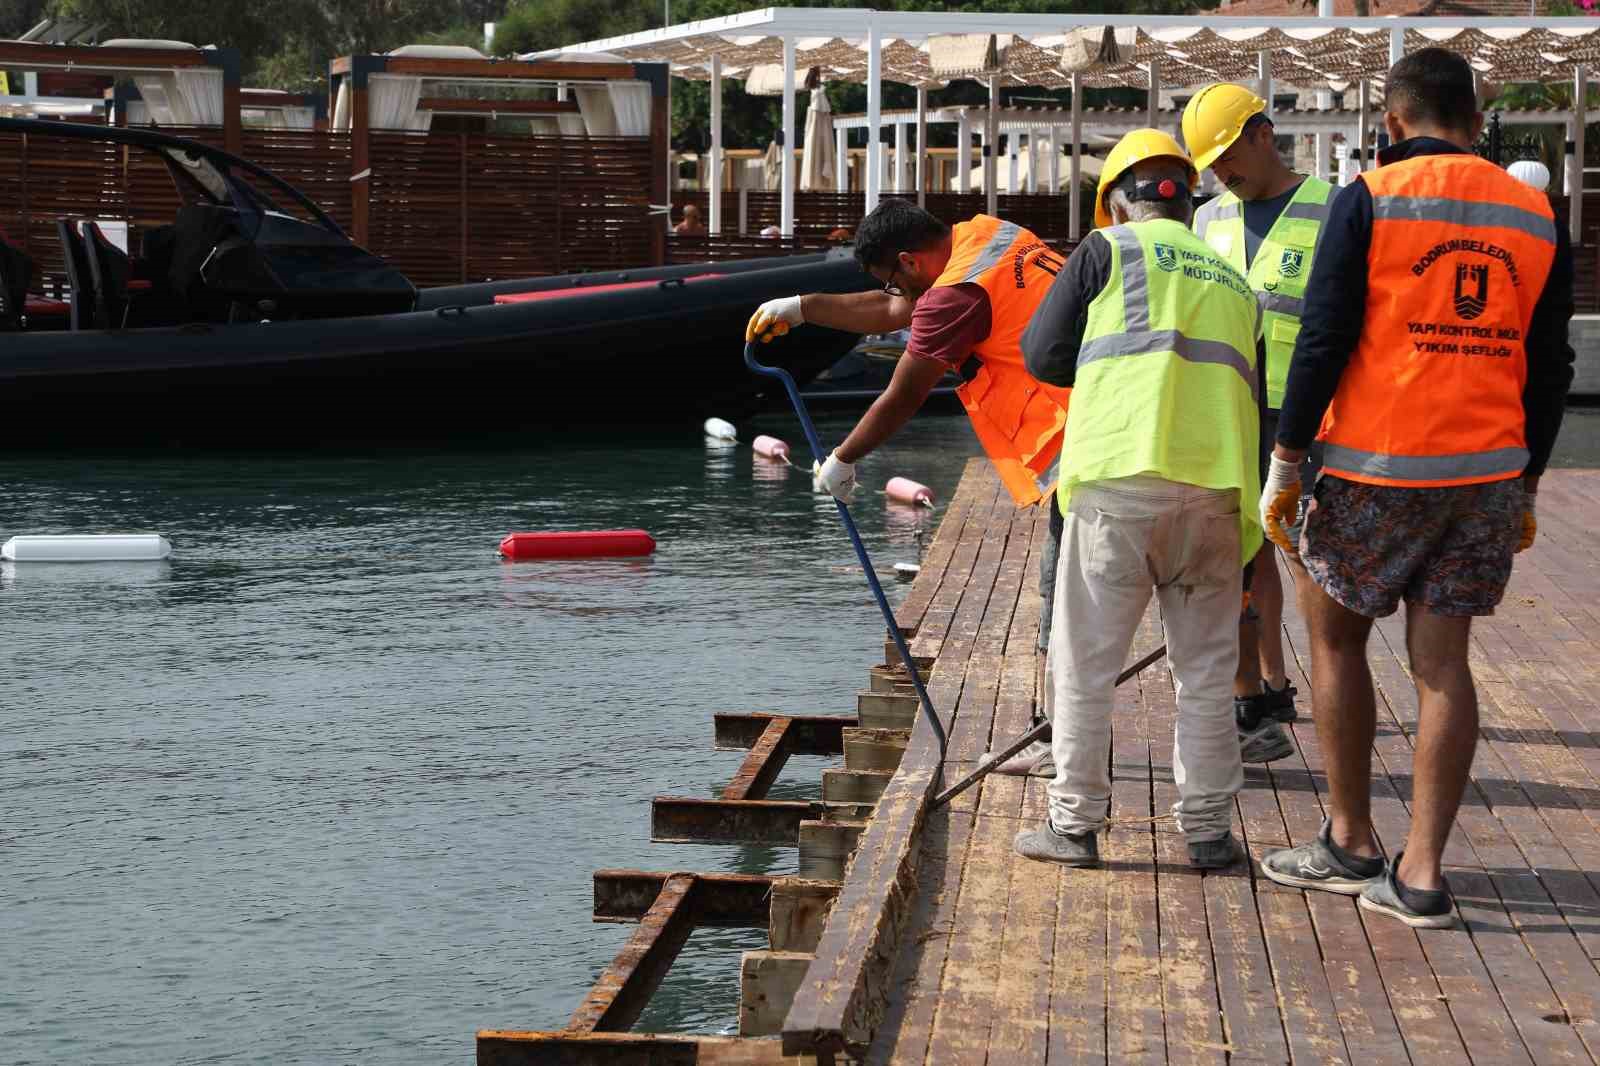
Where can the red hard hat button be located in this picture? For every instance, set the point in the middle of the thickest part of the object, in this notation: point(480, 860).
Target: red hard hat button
point(1168, 189)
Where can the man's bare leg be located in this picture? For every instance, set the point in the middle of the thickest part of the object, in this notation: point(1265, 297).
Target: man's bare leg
point(1266, 593)
point(1344, 710)
point(1447, 737)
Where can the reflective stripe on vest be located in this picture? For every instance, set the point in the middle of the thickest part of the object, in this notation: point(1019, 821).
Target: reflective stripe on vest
point(1432, 468)
point(1166, 373)
point(1459, 255)
point(1003, 238)
point(1017, 418)
point(1139, 339)
point(1280, 269)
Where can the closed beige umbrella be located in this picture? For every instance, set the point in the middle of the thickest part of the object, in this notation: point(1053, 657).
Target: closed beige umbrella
point(816, 157)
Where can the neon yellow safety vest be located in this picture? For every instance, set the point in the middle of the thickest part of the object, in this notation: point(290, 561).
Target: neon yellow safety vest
point(1279, 271)
point(1166, 382)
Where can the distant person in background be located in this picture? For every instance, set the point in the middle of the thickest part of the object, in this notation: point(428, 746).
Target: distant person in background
point(771, 231)
point(691, 226)
point(841, 236)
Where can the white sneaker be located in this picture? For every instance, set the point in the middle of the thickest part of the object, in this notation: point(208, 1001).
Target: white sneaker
point(1034, 760)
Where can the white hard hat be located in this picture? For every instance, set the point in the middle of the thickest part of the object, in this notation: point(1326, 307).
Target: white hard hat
point(1531, 172)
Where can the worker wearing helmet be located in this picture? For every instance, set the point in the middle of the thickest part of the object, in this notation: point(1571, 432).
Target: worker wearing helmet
point(1266, 224)
point(967, 292)
point(1156, 335)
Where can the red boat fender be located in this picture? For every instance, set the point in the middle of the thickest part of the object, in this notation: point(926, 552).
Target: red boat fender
point(771, 448)
point(904, 490)
point(581, 544)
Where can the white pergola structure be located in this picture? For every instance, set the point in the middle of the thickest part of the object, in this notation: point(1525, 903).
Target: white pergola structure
point(929, 49)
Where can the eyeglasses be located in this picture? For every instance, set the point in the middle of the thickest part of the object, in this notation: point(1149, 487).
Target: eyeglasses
point(889, 287)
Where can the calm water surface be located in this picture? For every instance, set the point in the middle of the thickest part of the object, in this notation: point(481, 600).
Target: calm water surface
point(329, 787)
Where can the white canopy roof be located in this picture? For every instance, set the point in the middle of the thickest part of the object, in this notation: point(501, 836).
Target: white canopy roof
point(929, 49)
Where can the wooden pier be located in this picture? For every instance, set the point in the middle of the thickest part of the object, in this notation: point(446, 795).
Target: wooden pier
point(915, 935)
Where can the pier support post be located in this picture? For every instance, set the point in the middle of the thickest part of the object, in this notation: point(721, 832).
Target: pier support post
point(768, 981)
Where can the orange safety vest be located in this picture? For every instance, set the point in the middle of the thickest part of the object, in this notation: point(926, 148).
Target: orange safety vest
point(1018, 419)
point(1432, 395)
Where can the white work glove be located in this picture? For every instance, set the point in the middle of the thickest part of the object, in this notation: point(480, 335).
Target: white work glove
point(835, 477)
point(773, 319)
point(1280, 503)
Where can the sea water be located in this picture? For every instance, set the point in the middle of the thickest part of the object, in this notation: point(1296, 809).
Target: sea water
point(330, 785)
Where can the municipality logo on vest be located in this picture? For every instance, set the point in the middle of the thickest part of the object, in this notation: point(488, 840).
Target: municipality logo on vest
point(1292, 263)
point(1472, 289)
point(1166, 257)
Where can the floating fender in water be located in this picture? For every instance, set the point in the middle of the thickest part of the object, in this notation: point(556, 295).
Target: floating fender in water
point(578, 545)
point(717, 429)
point(87, 548)
point(904, 490)
point(771, 448)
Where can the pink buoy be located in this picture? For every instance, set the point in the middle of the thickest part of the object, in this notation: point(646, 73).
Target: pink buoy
point(771, 448)
point(904, 490)
point(578, 545)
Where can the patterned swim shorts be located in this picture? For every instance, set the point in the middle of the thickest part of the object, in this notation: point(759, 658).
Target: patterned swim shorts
point(1446, 549)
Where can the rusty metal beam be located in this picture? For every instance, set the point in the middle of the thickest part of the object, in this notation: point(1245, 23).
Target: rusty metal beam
point(729, 901)
point(620, 995)
point(499, 1047)
point(765, 761)
point(453, 105)
point(685, 820)
point(809, 734)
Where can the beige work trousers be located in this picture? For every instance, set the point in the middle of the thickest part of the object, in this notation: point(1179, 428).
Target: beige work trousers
point(1123, 539)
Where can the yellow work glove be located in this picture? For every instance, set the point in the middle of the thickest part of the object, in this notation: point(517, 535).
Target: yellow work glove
point(773, 319)
point(1280, 503)
point(1530, 523)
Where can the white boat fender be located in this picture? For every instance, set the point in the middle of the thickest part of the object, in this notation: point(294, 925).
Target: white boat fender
point(87, 548)
point(907, 571)
point(904, 490)
point(717, 429)
point(771, 448)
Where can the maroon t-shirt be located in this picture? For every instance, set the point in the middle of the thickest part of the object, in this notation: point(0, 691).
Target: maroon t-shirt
point(948, 322)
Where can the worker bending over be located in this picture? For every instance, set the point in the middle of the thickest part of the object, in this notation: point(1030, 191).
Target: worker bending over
point(1156, 336)
point(1433, 354)
point(1266, 226)
point(967, 292)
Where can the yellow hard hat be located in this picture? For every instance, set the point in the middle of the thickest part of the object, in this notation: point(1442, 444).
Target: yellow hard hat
point(1135, 147)
point(1214, 117)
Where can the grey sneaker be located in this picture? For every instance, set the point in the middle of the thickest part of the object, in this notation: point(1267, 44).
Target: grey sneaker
point(1215, 854)
point(1418, 907)
point(1045, 843)
point(1034, 760)
point(1321, 864)
point(1265, 742)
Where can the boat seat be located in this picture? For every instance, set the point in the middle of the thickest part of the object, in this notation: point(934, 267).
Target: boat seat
point(16, 274)
point(108, 266)
point(75, 256)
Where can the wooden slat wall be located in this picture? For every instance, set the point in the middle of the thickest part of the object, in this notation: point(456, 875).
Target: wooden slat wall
point(446, 208)
point(477, 207)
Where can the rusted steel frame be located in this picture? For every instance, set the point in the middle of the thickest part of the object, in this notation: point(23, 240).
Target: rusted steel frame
point(32, 56)
point(728, 901)
point(621, 993)
point(762, 766)
point(808, 734)
point(494, 69)
point(498, 1047)
point(687, 820)
point(497, 107)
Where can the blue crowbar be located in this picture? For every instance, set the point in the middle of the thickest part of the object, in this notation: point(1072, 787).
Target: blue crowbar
point(819, 455)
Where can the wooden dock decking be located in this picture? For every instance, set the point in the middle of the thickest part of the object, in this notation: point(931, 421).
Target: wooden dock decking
point(942, 946)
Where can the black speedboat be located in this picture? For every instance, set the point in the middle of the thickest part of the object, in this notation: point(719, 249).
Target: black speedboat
point(257, 319)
